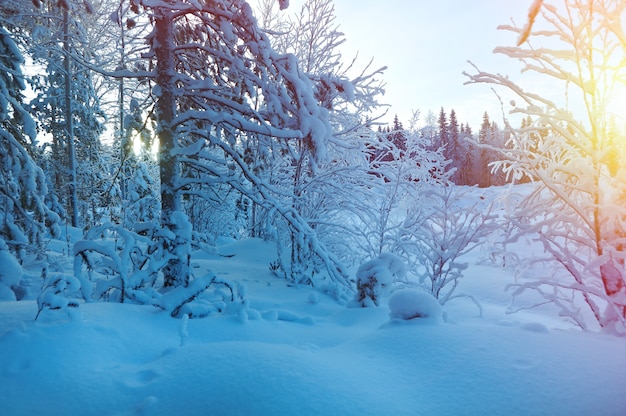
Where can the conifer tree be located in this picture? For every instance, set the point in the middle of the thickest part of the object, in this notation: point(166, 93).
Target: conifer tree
point(452, 151)
point(443, 129)
point(467, 159)
point(485, 138)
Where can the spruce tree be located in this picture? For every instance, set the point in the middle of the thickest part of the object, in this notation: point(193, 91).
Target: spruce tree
point(443, 130)
point(484, 138)
point(467, 156)
point(397, 136)
point(452, 149)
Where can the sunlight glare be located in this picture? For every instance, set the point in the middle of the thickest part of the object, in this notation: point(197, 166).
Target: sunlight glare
point(616, 106)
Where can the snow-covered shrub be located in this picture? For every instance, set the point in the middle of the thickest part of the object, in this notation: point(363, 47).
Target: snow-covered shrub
point(375, 277)
point(196, 300)
point(58, 293)
point(408, 304)
point(142, 203)
point(125, 266)
point(119, 263)
point(438, 233)
point(10, 272)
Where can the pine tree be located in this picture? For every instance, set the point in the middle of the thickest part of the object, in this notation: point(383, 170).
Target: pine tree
point(443, 131)
point(453, 148)
point(485, 138)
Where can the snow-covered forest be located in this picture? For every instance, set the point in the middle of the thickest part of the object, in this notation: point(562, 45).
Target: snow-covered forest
point(203, 210)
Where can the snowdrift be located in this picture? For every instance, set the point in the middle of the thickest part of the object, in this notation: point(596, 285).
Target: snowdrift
point(303, 353)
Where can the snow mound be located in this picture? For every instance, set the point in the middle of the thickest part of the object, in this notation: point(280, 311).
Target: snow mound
point(408, 304)
point(10, 273)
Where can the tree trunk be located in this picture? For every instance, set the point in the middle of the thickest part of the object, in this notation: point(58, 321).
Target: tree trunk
point(176, 271)
point(68, 121)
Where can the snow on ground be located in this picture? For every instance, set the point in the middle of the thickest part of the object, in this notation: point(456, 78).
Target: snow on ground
point(307, 355)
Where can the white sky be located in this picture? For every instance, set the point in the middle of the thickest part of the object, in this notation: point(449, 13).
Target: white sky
point(426, 45)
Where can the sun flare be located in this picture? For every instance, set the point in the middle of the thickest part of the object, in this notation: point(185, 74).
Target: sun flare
point(616, 105)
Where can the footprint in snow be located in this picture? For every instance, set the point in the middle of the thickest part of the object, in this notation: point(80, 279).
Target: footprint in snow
point(141, 378)
point(146, 406)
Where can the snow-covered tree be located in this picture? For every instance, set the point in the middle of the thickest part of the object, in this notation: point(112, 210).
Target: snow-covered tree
point(429, 131)
point(403, 174)
point(437, 233)
point(577, 210)
point(67, 107)
point(467, 156)
point(452, 150)
point(23, 214)
point(142, 203)
point(219, 83)
point(313, 36)
point(485, 139)
point(119, 37)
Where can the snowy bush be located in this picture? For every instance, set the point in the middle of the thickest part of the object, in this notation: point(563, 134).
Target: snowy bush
point(119, 263)
point(125, 266)
point(197, 301)
point(408, 304)
point(375, 277)
point(58, 293)
point(436, 235)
